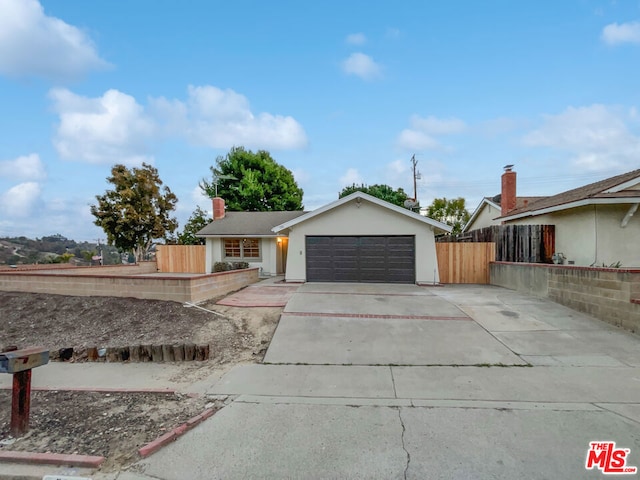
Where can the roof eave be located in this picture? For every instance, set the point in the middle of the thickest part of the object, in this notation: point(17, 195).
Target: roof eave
point(236, 235)
point(476, 212)
point(567, 206)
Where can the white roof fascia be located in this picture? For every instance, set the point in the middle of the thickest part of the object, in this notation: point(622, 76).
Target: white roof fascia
point(623, 186)
point(237, 235)
point(477, 211)
point(566, 206)
point(369, 198)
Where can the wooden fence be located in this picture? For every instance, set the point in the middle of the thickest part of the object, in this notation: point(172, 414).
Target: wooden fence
point(465, 262)
point(181, 258)
point(514, 243)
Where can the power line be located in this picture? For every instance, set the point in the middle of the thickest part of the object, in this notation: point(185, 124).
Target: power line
point(547, 180)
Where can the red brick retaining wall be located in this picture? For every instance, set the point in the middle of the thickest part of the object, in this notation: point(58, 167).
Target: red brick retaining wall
point(86, 281)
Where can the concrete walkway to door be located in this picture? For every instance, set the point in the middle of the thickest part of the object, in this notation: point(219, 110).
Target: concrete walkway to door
point(397, 382)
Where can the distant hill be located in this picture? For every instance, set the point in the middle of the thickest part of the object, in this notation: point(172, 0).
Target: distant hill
point(53, 249)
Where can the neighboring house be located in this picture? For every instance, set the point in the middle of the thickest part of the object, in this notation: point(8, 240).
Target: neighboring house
point(489, 209)
point(594, 224)
point(360, 238)
point(246, 237)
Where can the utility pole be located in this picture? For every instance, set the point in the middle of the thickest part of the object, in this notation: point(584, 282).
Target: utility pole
point(416, 176)
point(100, 253)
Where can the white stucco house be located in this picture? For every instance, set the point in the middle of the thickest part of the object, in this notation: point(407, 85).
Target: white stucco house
point(358, 238)
point(489, 210)
point(594, 224)
point(246, 237)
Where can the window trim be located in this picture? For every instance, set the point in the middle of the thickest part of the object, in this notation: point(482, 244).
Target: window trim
point(242, 257)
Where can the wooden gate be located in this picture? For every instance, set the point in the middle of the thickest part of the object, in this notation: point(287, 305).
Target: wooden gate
point(465, 262)
point(181, 258)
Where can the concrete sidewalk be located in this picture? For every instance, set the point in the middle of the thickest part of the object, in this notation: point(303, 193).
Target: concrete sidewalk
point(186, 377)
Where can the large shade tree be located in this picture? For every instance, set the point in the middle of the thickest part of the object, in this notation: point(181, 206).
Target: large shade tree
point(252, 182)
point(452, 212)
point(136, 211)
point(383, 192)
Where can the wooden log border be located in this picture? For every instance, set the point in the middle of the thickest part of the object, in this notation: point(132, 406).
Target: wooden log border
point(175, 352)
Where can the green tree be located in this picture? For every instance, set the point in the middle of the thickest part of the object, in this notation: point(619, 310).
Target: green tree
point(252, 182)
point(64, 258)
point(453, 212)
point(88, 255)
point(137, 210)
point(383, 192)
point(197, 221)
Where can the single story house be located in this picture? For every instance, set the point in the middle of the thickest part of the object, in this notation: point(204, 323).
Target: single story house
point(594, 224)
point(358, 238)
point(489, 209)
point(246, 237)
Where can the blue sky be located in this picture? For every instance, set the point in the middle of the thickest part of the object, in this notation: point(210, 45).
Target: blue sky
point(338, 92)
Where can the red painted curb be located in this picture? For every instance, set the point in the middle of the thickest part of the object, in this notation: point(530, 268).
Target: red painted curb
point(52, 459)
point(373, 315)
point(169, 437)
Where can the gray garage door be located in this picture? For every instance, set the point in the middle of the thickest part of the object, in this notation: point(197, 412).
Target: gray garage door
point(381, 259)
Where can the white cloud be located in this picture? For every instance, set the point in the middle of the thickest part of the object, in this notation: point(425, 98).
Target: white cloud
point(423, 132)
point(356, 39)
point(34, 44)
point(109, 129)
point(223, 118)
point(617, 33)
point(350, 177)
point(27, 167)
point(200, 199)
point(598, 137)
point(362, 66)
point(21, 200)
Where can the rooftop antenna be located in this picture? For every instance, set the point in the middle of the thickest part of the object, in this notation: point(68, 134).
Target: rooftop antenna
point(217, 178)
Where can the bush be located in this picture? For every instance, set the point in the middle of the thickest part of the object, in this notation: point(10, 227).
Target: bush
point(228, 266)
point(221, 266)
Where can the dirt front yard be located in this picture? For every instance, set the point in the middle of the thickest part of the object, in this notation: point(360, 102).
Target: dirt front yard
point(116, 425)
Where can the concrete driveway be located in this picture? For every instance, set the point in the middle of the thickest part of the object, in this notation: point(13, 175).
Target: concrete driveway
point(383, 381)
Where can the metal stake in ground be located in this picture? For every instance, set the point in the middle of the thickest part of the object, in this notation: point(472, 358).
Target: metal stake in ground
point(20, 363)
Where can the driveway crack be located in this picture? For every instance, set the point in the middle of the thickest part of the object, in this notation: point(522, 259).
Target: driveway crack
point(393, 382)
point(406, 468)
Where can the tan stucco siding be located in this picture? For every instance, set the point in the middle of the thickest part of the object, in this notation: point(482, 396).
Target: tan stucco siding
point(367, 219)
point(485, 218)
point(215, 253)
point(592, 235)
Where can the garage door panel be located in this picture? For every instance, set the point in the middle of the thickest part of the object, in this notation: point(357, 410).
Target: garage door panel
point(361, 259)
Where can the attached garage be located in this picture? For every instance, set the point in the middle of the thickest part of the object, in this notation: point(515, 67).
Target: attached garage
point(367, 259)
point(360, 238)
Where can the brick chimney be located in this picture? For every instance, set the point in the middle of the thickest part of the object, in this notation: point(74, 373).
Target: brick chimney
point(218, 208)
point(508, 197)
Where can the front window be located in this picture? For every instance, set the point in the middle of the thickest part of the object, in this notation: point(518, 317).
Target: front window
point(242, 248)
point(251, 248)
